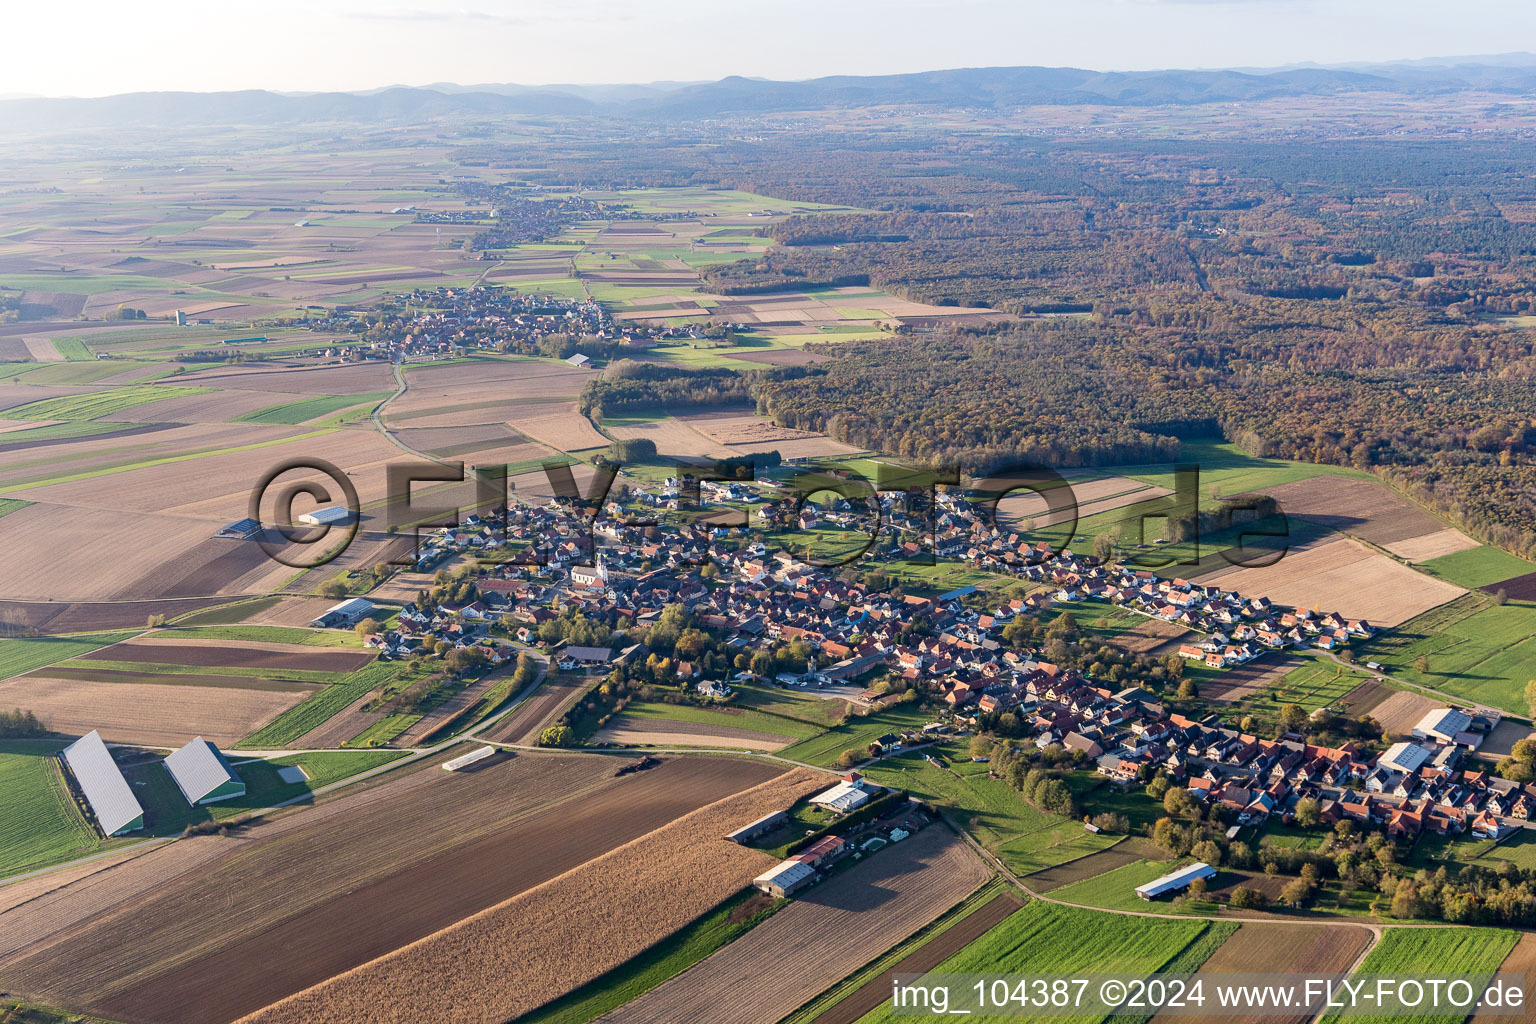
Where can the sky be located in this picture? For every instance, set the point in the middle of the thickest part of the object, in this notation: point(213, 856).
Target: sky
point(102, 47)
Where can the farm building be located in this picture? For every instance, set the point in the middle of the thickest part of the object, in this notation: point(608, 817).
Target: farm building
point(465, 760)
point(347, 613)
point(751, 830)
point(785, 877)
point(579, 360)
point(576, 657)
point(240, 529)
point(1179, 879)
point(842, 798)
point(102, 782)
point(327, 516)
point(203, 774)
point(1442, 724)
point(823, 849)
point(1404, 757)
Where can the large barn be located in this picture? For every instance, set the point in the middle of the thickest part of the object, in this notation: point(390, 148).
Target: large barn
point(101, 780)
point(203, 774)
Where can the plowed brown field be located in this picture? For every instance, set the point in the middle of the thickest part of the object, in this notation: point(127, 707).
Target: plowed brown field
point(828, 932)
point(298, 900)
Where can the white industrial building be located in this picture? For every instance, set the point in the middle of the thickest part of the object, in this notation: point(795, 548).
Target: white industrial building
point(101, 780)
point(785, 877)
point(1443, 725)
point(465, 760)
point(843, 797)
point(348, 613)
point(1176, 881)
point(1404, 757)
point(327, 516)
point(203, 774)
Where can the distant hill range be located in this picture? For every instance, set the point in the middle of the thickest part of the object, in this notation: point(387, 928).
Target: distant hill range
point(985, 88)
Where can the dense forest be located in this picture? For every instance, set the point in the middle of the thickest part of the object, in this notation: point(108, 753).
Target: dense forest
point(1348, 300)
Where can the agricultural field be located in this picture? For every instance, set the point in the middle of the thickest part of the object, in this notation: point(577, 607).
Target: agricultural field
point(547, 942)
point(365, 873)
point(1284, 948)
point(820, 937)
point(1025, 839)
point(662, 724)
point(39, 824)
point(1343, 576)
point(1479, 567)
point(856, 733)
point(163, 689)
point(1451, 950)
point(1471, 647)
point(1064, 940)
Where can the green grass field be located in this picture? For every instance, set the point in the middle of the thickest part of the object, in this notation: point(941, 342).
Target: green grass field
point(23, 654)
point(293, 413)
point(1317, 684)
point(1042, 938)
point(95, 404)
point(1026, 839)
point(39, 824)
point(301, 718)
point(856, 733)
point(668, 958)
point(1478, 567)
point(271, 634)
point(1474, 649)
point(657, 711)
point(796, 704)
point(1408, 951)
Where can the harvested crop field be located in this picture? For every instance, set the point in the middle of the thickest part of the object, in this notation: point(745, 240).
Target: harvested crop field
point(629, 731)
point(148, 713)
point(1401, 710)
point(562, 427)
point(1104, 494)
point(1521, 960)
point(1244, 681)
point(88, 616)
point(828, 932)
point(1343, 576)
point(1370, 510)
point(1148, 636)
point(308, 896)
point(173, 650)
point(1117, 856)
point(877, 990)
point(1283, 948)
point(348, 379)
point(1431, 545)
point(528, 719)
point(113, 555)
point(672, 437)
point(549, 940)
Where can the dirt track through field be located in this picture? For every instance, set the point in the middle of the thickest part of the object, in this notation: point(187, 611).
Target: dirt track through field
point(527, 720)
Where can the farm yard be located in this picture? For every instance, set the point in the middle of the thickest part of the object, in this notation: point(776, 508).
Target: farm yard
point(362, 875)
point(822, 936)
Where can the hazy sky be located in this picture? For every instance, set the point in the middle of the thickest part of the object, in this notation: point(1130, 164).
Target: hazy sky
point(97, 47)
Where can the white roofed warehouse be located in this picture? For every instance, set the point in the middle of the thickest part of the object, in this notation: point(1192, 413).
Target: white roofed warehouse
point(785, 877)
point(1176, 881)
point(842, 798)
point(101, 781)
point(203, 774)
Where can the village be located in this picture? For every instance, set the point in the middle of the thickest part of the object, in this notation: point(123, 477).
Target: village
point(782, 620)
